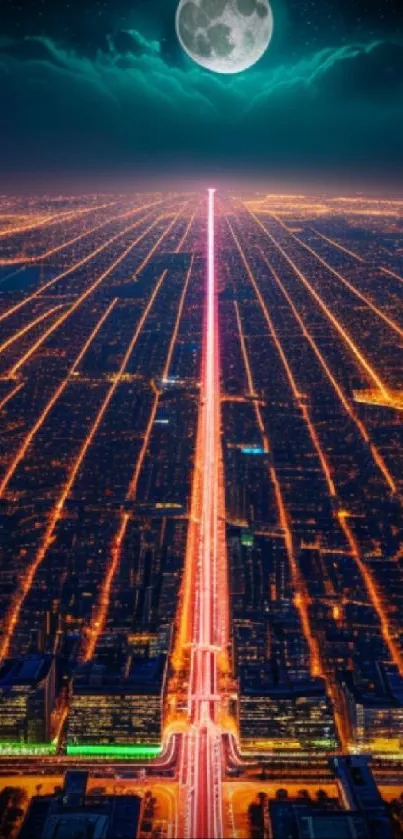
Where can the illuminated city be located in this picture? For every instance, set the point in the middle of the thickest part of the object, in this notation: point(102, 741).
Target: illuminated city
point(201, 562)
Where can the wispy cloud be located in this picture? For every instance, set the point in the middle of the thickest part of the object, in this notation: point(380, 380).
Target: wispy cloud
point(129, 99)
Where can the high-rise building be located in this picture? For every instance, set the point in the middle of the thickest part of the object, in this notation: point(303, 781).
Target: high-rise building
point(117, 708)
point(357, 785)
point(374, 701)
point(27, 694)
point(74, 813)
point(274, 710)
point(298, 820)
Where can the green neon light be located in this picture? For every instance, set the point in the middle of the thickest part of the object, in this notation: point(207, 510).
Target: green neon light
point(27, 748)
point(111, 750)
point(325, 744)
point(247, 539)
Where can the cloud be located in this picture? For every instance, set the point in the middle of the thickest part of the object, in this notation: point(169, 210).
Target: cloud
point(131, 42)
point(128, 102)
point(374, 73)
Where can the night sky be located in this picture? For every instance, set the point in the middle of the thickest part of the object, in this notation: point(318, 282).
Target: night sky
point(103, 87)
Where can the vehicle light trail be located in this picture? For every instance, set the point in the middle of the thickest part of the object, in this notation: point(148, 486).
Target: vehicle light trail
point(373, 375)
point(338, 245)
point(301, 600)
point(14, 370)
point(184, 634)
point(10, 395)
point(52, 401)
point(59, 390)
point(343, 398)
point(27, 578)
point(75, 267)
point(355, 551)
point(290, 376)
point(372, 592)
point(56, 218)
point(392, 274)
point(201, 776)
point(98, 623)
point(356, 255)
point(21, 332)
point(44, 255)
point(363, 297)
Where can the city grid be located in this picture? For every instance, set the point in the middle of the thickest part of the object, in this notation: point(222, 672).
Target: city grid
point(201, 531)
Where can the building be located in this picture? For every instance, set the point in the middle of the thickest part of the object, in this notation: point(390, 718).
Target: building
point(374, 699)
point(295, 819)
point(27, 695)
point(72, 813)
point(275, 710)
point(300, 820)
point(250, 640)
point(117, 708)
point(357, 786)
point(360, 812)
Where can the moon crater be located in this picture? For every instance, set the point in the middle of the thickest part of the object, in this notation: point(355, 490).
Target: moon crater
point(225, 36)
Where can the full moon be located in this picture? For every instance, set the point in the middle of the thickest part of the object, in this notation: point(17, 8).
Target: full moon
point(225, 36)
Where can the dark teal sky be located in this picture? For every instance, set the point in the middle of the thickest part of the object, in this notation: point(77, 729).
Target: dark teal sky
point(103, 88)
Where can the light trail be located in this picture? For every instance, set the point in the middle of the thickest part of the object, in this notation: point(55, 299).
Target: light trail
point(27, 579)
point(56, 218)
point(301, 600)
point(26, 582)
point(21, 332)
point(290, 376)
point(373, 375)
point(14, 370)
point(341, 395)
point(367, 577)
point(132, 490)
point(59, 390)
point(10, 395)
point(372, 592)
point(338, 245)
point(363, 361)
point(184, 634)
point(378, 312)
point(45, 254)
point(168, 362)
point(355, 551)
point(52, 401)
point(249, 375)
point(186, 233)
point(63, 717)
point(201, 775)
point(97, 625)
point(392, 274)
point(356, 255)
point(75, 267)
